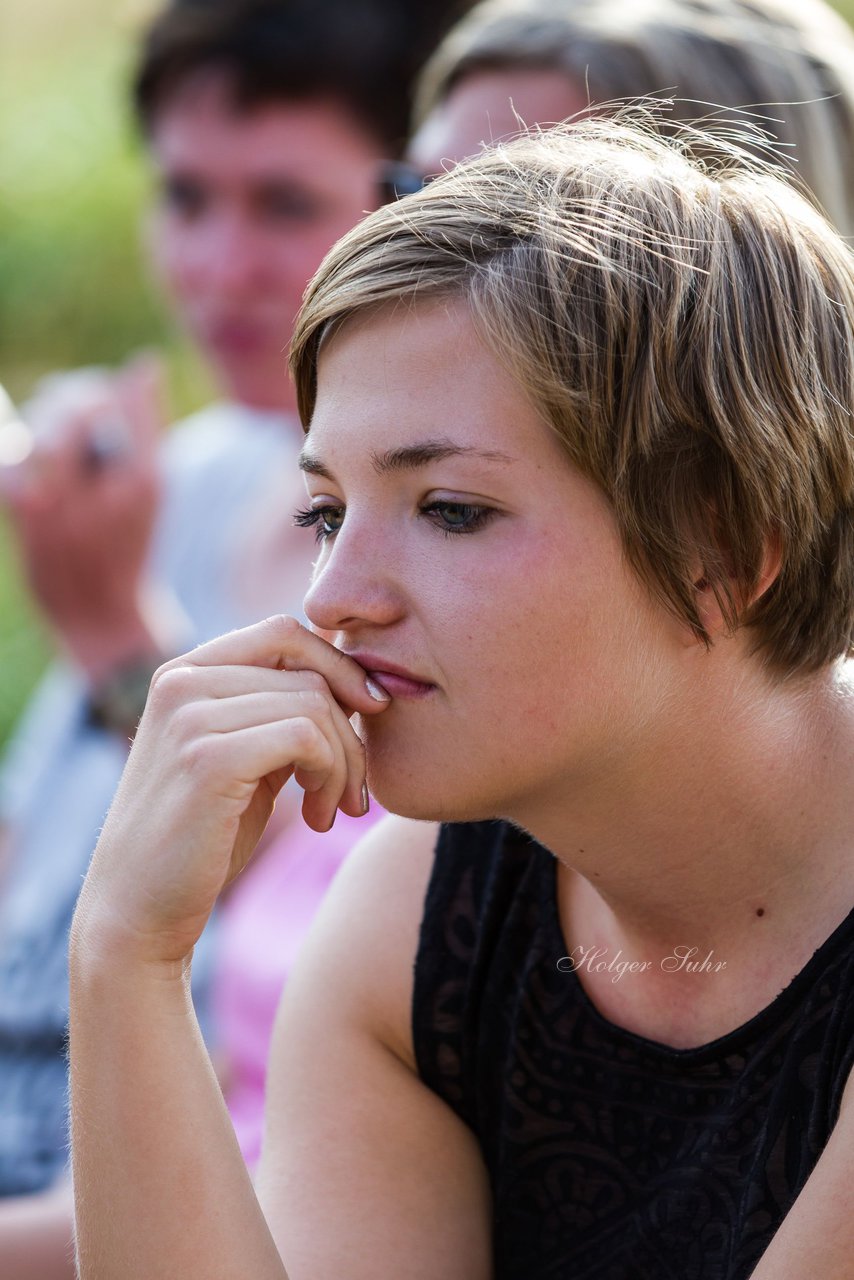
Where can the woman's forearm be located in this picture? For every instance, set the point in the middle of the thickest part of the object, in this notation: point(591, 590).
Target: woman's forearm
point(160, 1186)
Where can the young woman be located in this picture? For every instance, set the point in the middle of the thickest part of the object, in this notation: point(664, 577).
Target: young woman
point(580, 461)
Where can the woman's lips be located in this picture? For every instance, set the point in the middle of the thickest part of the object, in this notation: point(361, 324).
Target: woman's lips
point(400, 686)
point(396, 680)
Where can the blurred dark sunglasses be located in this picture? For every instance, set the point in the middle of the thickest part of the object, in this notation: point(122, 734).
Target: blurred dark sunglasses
point(397, 179)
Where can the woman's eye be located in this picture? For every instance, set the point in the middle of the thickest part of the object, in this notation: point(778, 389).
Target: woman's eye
point(325, 521)
point(458, 517)
point(450, 517)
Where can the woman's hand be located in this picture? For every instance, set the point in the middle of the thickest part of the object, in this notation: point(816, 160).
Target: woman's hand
point(223, 730)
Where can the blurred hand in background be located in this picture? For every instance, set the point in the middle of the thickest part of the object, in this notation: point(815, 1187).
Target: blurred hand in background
point(83, 503)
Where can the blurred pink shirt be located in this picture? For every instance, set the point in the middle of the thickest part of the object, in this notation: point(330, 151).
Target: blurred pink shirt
point(262, 924)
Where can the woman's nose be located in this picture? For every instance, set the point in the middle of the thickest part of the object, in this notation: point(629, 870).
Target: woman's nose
point(353, 585)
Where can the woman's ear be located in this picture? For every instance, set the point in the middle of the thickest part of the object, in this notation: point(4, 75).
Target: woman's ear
point(708, 606)
point(772, 563)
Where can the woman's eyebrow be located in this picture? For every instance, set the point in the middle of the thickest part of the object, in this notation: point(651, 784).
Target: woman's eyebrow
point(409, 457)
point(311, 463)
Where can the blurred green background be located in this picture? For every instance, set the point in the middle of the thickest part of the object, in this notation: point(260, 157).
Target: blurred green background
point(72, 282)
point(73, 287)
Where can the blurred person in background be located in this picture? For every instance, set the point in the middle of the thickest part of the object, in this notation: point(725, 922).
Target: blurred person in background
point(787, 64)
point(267, 124)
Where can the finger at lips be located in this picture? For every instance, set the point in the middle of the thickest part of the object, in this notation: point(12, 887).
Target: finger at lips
point(283, 643)
point(230, 681)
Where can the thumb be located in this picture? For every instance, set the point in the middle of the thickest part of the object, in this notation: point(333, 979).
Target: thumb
point(141, 387)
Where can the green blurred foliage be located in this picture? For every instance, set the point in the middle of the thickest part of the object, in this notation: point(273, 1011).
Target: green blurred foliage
point(73, 184)
point(73, 281)
point(69, 258)
point(24, 645)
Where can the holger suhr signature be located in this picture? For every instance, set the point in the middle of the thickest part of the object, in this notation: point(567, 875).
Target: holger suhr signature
point(599, 960)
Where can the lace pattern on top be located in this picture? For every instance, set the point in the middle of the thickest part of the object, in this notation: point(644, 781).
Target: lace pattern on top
point(613, 1157)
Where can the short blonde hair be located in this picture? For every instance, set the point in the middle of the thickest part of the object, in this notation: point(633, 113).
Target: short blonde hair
point(791, 61)
point(684, 326)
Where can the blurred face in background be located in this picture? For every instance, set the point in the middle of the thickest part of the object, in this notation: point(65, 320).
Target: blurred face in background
point(488, 106)
point(249, 202)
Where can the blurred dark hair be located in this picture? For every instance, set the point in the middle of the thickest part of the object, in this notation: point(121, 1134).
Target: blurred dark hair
point(364, 53)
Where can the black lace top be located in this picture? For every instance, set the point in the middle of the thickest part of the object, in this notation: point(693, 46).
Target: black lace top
point(612, 1157)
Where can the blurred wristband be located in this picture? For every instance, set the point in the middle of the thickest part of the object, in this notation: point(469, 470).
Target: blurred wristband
point(118, 703)
point(120, 660)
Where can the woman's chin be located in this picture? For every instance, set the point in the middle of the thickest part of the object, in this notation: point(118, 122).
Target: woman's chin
point(414, 780)
point(422, 798)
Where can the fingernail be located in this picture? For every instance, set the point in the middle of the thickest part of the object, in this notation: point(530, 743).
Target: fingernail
point(366, 803)
point(378, 694)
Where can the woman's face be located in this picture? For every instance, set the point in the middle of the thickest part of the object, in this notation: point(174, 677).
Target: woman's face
point(460, 548)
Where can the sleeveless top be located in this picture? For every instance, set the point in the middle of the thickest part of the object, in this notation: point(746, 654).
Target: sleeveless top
point(610, 1156)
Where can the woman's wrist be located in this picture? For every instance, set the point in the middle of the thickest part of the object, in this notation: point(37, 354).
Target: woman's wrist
point(103, 945)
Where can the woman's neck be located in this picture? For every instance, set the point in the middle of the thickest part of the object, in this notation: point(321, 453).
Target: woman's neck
point(701, 880)
point(736, 811)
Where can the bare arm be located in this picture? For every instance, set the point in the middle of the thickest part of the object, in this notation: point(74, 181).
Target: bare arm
point(365, 1171)
point(817, 1235)
point(160, 1187)
point(160, 1184)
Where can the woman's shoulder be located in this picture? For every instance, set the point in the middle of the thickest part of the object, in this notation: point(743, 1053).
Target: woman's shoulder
point(403, 855)
point(364, 939)
point(391, 864)
point(405, 878)
point(348, 1120)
